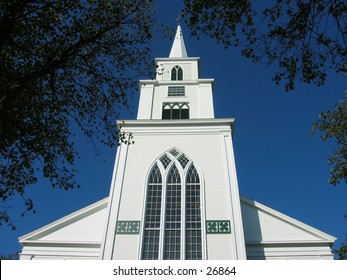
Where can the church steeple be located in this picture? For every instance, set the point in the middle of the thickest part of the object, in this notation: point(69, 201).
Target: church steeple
point(177, 91)
point(178, 48)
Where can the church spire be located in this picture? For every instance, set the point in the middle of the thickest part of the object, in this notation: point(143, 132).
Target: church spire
point(178, 48)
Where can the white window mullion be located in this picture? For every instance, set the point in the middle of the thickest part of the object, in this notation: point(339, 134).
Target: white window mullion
point(162, 220)
point(183, 217)
point(194, 225)
point(172, 231)
point(151, 227)
point(203, 220)
point(179, 231)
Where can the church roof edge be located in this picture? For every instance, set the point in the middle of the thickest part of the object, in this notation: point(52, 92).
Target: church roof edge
point(177, 58)
point(179, 122)
point(169, 82)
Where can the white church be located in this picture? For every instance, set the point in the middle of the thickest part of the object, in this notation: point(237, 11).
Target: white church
point(174, 193)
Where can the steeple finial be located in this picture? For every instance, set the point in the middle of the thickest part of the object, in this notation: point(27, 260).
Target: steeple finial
point(179, 19)
point(178, 48)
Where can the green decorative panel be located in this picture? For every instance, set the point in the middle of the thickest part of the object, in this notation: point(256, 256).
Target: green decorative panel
point(218, 226)
point(128, 227)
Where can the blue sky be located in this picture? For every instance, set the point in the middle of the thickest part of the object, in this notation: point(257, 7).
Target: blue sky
point(278, 163)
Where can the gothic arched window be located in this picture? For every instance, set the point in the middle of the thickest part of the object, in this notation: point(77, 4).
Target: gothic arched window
point(172, 229)
point(150, 248)
point(193, 216)
point(176, 73)
point(175, 111)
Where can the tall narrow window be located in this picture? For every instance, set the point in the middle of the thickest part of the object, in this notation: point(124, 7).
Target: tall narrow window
point(150, 250)
point(175, 111)
point(166, 114)
point(176, 73)
point(172, 231)
point(184, 111)
point(193, 216)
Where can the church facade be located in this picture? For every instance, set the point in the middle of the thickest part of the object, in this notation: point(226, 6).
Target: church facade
point(174, 193)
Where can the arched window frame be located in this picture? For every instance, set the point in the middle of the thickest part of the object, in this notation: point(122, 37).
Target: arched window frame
point(153, 220)
point(183, 175)
point(176, 73)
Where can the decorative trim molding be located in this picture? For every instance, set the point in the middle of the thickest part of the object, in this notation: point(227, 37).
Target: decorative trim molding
point(128, 227)
point(218, 226)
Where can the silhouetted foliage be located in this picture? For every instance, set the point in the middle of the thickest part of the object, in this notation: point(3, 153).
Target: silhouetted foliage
point(13, 256)
point(333, 125)
point(341, 253)
point(64, 63)
point(304, 39)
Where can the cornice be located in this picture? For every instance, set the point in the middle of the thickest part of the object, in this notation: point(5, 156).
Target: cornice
point(290, 243)
point(179, 122)
point(183, 82)
point(41, 243)
point(177, 127)
point(176, 58)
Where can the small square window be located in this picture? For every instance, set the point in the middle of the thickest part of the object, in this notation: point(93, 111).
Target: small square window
point(176, 91)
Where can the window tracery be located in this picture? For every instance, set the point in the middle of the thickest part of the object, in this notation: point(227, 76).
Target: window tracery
point(173, 210)
point(177, 73)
